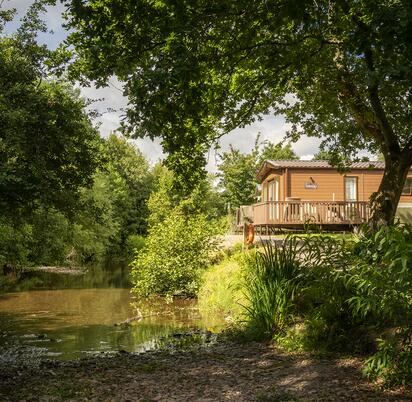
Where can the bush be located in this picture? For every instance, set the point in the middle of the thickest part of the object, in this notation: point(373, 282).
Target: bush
point(175, 255)
point(14, 244)
point(383, 283)
point(51, 236)
point(134, 243)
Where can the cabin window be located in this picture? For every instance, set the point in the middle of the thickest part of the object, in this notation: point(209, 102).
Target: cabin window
point(407, 188)
point(351, 189)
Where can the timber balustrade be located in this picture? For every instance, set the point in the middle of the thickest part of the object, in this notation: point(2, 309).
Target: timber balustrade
point(316, 212)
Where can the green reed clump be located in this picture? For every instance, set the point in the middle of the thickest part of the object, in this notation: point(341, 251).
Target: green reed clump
point(273, 282)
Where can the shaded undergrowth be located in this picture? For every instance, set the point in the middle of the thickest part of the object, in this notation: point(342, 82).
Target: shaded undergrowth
point(336, 295)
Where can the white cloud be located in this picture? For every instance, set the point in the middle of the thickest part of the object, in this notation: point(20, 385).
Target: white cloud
point(307, 157)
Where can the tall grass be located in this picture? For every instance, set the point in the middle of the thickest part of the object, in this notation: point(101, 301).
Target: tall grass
point(273, 281)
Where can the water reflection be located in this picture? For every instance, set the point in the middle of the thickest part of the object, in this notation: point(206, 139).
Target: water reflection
point(94, 277)
point(75, 316)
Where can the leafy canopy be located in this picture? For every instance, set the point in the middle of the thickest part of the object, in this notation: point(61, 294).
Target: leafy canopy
point(48, 145)
point(194, 70)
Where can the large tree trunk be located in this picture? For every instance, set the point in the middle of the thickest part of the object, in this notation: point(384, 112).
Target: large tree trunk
point(385, 201)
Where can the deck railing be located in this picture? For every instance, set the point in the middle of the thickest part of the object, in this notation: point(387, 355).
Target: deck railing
point(316, 212)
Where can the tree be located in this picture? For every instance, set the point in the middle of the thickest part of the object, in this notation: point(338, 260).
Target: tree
point(237, 171)
point(337, 159)
point(181, 238)
point(204, 198)
point(237, 174)
point(276, 152)
point(194, 70)
point(130, 179)
point(334, 158)
point(49, 148)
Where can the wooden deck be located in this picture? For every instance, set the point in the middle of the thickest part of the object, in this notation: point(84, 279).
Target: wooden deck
point(285, 213)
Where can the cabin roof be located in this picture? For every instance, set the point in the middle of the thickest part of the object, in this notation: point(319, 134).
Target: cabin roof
point(283, 164)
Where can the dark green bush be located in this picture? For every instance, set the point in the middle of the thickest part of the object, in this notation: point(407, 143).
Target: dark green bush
point(14, 244)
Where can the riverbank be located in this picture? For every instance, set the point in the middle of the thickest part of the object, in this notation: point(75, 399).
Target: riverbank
point(222, 372)
point(63, 270)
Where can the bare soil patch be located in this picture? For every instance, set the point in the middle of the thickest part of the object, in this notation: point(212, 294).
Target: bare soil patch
point(223, 372)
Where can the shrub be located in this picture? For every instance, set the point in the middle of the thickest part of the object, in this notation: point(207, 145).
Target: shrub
point(327, 292)
point(383, 283)
point(329, 322)
point(51, 236)
point(176, 253)
point(134, 243)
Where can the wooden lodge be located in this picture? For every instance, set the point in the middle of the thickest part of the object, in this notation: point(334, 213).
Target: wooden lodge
point(295, 193)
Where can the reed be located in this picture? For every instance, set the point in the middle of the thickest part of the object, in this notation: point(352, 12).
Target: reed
point(273, 280)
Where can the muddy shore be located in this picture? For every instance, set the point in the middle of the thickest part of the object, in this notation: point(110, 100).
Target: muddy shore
point(222, 372)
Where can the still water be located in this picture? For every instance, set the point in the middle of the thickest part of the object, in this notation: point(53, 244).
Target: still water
point(66, 316)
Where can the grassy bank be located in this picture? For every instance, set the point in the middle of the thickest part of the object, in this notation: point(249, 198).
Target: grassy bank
point(222, 289)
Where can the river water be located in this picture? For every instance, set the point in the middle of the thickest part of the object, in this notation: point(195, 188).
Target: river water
point(70, 316)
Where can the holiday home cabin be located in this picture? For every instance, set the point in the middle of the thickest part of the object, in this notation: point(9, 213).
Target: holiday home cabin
point(295, 193)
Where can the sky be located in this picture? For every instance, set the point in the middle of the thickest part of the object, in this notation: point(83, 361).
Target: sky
point(111, 102)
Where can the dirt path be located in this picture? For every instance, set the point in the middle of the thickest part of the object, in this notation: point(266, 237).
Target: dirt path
point(223, 372)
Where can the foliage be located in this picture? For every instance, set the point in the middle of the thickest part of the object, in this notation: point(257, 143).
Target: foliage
point(384, 275)
point(126, 182)
point(48, 146)
point(203, 199)
point(14, 243)
point(95, 226)
point(163, 200)
point(108, 215)
point(332, 157)
point(392, 362)
point(134, 243)
point(51, 234)
point(49, 150)
point(181, 237)
point(54, 202)
point(327, 293)
point(221, 290)
point(130, 179)
point(175, 254)
point(272, 285)
point(384, 289)
point(237, 171)
point(275, 152)
point(194, 71)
